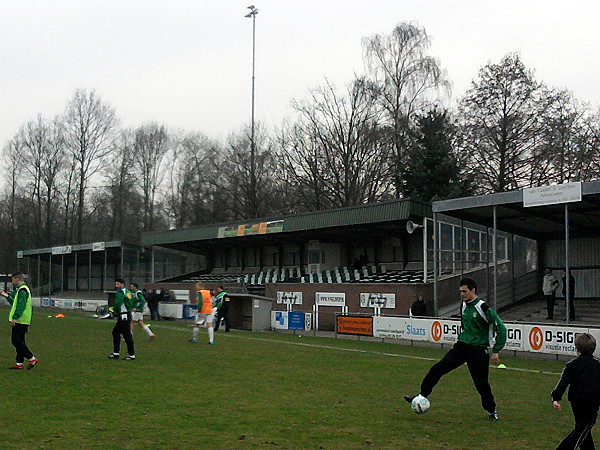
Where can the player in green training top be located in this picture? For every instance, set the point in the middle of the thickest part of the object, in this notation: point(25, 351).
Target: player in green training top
point(122, 310)
point(20, 319)
point(479, 324)
point(137, 315)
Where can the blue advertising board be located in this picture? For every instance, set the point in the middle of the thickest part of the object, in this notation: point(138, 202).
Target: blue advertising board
point(295, 320)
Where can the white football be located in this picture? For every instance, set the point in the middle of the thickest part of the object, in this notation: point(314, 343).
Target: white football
point(420, 404)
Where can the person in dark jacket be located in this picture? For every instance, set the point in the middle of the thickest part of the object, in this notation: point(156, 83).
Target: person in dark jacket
point(418, 308)
point(582, 376)
point(153, 302)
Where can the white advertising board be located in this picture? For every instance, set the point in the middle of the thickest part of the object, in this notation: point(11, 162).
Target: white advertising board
point(279, 320)
point(330, 298)
point(551, 339)
point(390, 327)
point(289, 298)
point(377, 300)
point(549, 195)
point(514, 337)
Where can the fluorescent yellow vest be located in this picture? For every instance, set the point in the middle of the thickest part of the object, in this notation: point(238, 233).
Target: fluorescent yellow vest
point(25, 318)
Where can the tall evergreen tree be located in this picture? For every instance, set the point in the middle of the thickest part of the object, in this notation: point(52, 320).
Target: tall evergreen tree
point(432, 171)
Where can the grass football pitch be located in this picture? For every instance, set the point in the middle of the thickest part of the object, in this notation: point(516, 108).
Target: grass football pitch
point(261, 390)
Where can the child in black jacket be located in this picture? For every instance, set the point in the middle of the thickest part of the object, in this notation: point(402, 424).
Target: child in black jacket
point(582, 374)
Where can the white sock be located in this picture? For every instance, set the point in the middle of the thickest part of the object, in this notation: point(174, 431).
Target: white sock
point(32, 358)
point(211, 334)
point(196, 332)
point(19, 364)
point(147, 329)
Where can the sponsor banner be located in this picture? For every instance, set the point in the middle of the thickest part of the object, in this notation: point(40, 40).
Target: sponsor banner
point(514, 337)
point(418, 330)
point(20, 254)
point(355, 325)
point(296, 320)
point(98, 246)
point(289, 298)
point(330, 298)
point(445, 331)
point(250, 229)
point(551, 339)
point(390, 327)
point(377, 300)
point(279, 320)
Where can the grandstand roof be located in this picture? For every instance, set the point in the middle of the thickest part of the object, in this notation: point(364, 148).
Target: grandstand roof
point(545, 222)
point(355, 222)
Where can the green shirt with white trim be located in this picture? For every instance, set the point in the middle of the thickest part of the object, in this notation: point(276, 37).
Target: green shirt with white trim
point(482, 327)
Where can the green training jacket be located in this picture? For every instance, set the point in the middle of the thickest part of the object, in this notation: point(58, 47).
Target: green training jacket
point(123, 301)
point(139, 301)
point(481, 326)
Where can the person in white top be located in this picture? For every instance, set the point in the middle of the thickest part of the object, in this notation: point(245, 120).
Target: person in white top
point(549, 286)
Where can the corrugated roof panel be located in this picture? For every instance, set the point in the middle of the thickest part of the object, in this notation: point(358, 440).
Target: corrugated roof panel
point(356, 215)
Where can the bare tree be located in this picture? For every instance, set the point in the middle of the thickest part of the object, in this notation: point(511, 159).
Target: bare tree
point(89, 129)
point(337, 151)
point(405, 80)
point(151, 144)
point(43, 155)
point(500, 123)
point(568, 143)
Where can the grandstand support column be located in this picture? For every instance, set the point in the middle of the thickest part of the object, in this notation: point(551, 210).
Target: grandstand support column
point(435, 264)
point(50, 276)
point(76, 273)
point(152, 271)
point(90, 271)
point(425, 250)
point(567, 265)
point(39, 277)
point(137, 266)
point(495, 257)
point(62, 273)
point(29, 268)
point(103, 287)
point(463, 243)
point(121, 274)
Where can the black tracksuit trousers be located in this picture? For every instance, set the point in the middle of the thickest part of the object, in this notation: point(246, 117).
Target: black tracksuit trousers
point(477, 360)
point(581, 436)
point(123, 327)
point(18, 341)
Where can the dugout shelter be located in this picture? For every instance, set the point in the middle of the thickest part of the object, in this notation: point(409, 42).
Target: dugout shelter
point(561, 221)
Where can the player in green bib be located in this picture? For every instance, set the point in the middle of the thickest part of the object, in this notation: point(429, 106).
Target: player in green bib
point(20, 319)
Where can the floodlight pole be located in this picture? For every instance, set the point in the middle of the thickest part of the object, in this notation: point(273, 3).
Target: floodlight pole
point(252, 15)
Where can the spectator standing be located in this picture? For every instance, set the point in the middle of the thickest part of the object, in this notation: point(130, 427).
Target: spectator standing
point(549, 286)
point(153, 302)
point(418, 308)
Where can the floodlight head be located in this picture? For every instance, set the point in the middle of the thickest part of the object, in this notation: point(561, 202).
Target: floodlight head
point(251, 7)
point(249, 15)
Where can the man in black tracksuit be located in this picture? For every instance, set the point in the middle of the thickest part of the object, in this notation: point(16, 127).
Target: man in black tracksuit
point(582, 374)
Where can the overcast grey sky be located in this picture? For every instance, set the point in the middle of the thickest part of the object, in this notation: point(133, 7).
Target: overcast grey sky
point(187, 64)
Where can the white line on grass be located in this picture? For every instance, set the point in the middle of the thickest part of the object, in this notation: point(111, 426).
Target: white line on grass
point(346, 349)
